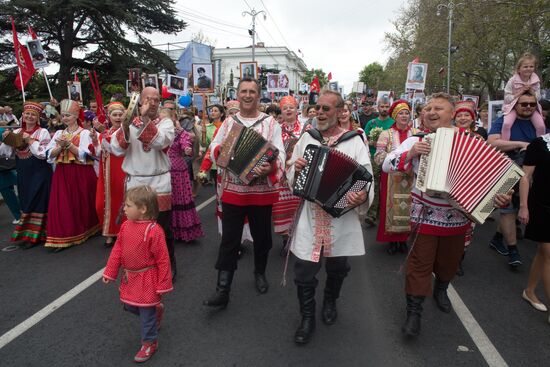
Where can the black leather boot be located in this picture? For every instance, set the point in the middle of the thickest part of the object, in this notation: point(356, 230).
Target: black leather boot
point(392, 248)
point(306, 297)
point(332, 292)
point(460, 271)
point(441, 297)
point(411, 327)
point(261, 283)
point(220, 299)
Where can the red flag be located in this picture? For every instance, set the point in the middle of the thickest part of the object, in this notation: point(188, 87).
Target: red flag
point(315, 86)
point(23, 58)
point(416, 60)
point(329, 76)
point(33, 35)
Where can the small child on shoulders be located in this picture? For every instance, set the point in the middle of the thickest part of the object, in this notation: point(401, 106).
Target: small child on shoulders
point(523, 80)
point(141, 252)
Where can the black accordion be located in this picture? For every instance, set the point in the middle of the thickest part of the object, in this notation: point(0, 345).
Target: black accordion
point(328, 177)
point(243, 150)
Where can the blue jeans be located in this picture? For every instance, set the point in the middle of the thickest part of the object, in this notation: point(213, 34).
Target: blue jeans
point(148, 318)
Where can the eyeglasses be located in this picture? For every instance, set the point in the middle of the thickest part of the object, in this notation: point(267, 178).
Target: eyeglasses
point(324, 108)
point(528, 104)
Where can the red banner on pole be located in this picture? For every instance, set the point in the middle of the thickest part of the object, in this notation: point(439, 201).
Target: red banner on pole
point(24, 61)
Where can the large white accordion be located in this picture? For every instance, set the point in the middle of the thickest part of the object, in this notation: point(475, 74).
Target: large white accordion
point(467, 171)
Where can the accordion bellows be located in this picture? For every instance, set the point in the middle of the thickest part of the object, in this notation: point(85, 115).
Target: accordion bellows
point(14, 140)
point(244, 149)
point(328, 177)
point(467, 171)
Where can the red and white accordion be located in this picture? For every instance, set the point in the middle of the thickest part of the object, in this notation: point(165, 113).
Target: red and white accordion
point(467, 171)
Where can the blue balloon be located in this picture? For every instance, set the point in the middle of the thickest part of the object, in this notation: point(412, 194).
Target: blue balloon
point(185, 101)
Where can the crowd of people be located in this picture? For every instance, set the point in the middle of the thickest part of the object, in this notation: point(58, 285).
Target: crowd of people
point(134, 179)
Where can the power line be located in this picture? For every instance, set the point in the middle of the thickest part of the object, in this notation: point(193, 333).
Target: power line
point(208, 16)
point(275, 24)
point(209, 19)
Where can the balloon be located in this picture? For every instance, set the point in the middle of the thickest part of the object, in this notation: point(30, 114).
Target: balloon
point(185, 101)
point(165, 93)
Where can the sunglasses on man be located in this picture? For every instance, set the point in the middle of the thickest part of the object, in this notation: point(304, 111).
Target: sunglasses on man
point(324, 108)
point(528, 104)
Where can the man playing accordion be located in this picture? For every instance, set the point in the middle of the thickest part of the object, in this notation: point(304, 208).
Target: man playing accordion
point(438, 229)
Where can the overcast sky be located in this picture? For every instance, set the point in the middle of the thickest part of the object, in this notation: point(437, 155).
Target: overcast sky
point(339, 37)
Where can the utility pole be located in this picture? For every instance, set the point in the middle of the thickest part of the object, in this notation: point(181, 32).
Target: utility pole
point(253, 13)
point(450, 7)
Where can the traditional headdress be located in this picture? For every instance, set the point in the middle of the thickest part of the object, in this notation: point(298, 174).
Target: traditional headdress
point(33, 107)
point(72, 108)
point(397, 107)
point(232, 105)
point(288, 100)
point(113, 106)
point(465, 106)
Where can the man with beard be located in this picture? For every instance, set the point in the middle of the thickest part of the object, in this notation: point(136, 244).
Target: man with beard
point(441, 229)
point(239, 200)
point(384, 122)
point(522, 133)
point(317, 234)
point(143, 142)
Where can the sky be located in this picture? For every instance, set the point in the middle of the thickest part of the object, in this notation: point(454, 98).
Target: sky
point(341, 40)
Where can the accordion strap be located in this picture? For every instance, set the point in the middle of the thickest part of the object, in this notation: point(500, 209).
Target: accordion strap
point(251, 126)
point(316, 134)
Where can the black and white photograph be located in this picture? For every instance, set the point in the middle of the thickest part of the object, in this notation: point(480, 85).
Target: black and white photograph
point(495, 111)
point(231, 94)
point(472, 98)
point(203, 78)
point(134, 77)
point(150, 80)
point(416, 76)
point(177, 85)
point(249, 69)
point(333, 86)
point(74, 90)
point(129, 88)
point(37, 53)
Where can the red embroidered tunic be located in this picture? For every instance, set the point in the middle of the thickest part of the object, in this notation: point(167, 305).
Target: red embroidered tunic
point(141, 252)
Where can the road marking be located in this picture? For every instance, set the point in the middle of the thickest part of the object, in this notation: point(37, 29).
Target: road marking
point(55, 305)
point(481, 340)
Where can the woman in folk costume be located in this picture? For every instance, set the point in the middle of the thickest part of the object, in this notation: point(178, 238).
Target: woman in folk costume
point(395, 187)
point(72, 217)
point(285, 208)
point(232, 107)
point(217, 116)
point(186, 224)
point(34, 176)
point(110, 185)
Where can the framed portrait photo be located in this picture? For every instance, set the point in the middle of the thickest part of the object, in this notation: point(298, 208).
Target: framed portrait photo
point(416, 76)
point(471, 98)
point(134, 78)
point(74, 90)
point(150, 80)
point(129, 88)
point(249, 69)
point(231, 94)
point(37, 53)
point(203, 78)
point(177, 85)
point(495, 111)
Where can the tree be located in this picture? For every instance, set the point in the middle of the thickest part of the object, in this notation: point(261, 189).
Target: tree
point(310, 74)
point(372, 75)
point(101, 29)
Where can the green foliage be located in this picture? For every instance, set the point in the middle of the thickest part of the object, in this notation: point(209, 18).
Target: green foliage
point(310, 74)
point(110, 34)
point(372, 75)
point(491, 36)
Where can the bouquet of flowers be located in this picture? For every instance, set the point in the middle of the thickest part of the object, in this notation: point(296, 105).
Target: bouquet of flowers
point(375, 133)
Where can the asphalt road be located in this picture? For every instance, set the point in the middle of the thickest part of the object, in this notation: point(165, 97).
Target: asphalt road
point(257, 330)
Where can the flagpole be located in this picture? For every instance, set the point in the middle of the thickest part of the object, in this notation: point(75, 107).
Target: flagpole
point(21, 80)
point(47, 83)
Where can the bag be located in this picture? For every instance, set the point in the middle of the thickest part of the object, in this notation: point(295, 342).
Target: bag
point(7, 163)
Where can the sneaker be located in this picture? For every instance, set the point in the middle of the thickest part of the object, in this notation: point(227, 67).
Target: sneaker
point(498, 246)
point(514, 259)
point(16, 221)
point(160, 313)
point(146, 352)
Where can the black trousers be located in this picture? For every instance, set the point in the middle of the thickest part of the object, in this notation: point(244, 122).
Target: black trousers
point(165, 221)
point(305, 271)
point(259, 219)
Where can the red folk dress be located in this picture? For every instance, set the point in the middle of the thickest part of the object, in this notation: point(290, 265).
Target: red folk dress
point(110, 187)
point(141, 252)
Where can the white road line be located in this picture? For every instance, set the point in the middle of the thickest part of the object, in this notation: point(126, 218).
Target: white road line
point(481, 340)
point(43, 313)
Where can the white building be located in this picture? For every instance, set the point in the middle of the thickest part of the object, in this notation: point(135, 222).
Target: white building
point(280, 58)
